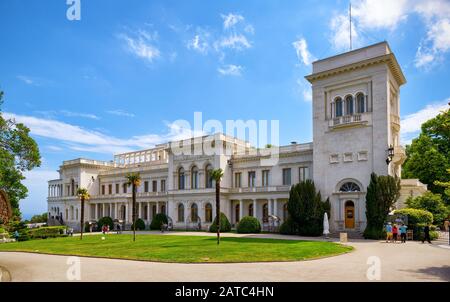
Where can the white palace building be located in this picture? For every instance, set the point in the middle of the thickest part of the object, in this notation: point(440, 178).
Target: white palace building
point(356, 130)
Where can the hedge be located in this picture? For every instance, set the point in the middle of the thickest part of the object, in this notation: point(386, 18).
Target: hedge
point(225, 225)
point(249, 225)
point(140, 224)
point(47, 232)
point(289, 227)
point(417, 219)
point(105, 220)
point(158, 220)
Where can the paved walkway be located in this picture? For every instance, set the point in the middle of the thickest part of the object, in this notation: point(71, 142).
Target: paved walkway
point(412, 261)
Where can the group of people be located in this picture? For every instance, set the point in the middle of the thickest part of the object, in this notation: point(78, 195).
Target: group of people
point(392, 232)
point(105, 229)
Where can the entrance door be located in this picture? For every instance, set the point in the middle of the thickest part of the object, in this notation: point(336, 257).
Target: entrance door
point(349, 215)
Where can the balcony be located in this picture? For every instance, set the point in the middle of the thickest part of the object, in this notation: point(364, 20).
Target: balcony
point(350, 120)
point(399, 155)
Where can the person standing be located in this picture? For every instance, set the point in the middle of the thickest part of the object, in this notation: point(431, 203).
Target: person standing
point(403, 229)
point(16, 235)
point(426, 231)
point(446, 224)
point(388, 232)
point(395, 233)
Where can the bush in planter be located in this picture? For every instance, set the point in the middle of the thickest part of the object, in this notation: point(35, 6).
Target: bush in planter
point(105, 220)
point(158, 220)
point(140, 224)
point(248, 225)
point(289, 227)
point(225, 225)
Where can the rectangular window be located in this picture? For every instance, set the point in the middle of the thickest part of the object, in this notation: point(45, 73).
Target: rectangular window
point(287, 177)
point(125, 188)
point(110, 189)
point(303, 173)
point(265, 178)
point(154, 186)
point(117, 189)
point(163, 185)
point(103, 189)
point(237, 180)
point(145, 186)
point(251, 179)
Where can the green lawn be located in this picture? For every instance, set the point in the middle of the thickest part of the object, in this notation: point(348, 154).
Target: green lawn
point(186, 249)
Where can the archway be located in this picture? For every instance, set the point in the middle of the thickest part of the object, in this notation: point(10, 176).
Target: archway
point(349, 215)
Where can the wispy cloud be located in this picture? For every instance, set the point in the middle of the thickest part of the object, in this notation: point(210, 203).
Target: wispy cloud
point(230, 20)
point(233, 41)
point(120, 112)
point(32, 81)
point(231, 70)
point(411, 123)
point(142, 44)
point(303, 54)
point(78, 138)
point(67, 113)
point(199, 42)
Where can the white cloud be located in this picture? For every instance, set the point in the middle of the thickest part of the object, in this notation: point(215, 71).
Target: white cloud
point(199, 43)
point(411, 124)
point(231, 20)
point(232, 70)
point(304, 89)
point(380, 14)
point(340, 33)
point(142, 44)
point(81, 139)
point(303, 54)
point(120, 112)
point(26, 79)
point(234, 41)
point(79, 114)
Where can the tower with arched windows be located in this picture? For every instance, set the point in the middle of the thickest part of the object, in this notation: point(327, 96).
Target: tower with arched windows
point(355, 127)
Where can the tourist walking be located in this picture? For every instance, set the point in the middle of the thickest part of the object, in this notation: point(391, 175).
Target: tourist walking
point(16, 235)
point(446, 225)
point(388, 232)
point(395, 233)
point(426, 231)
point(403, 229)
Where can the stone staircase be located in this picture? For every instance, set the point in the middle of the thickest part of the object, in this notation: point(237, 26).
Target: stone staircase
point(350, 234)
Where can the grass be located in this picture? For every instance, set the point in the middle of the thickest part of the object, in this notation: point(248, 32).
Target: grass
point(182, 249)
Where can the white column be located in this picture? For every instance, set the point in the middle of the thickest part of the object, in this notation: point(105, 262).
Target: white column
point(269, 201)
point(148, 211)
point(255, 210)
point(241, 209)
point(275, 208)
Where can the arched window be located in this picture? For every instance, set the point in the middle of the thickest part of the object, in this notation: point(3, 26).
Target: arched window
point(349, 187)
point(338, 105)
point(265, 212)
point(181, 180)
point(208, 213)
point(180, 212)
point(250, 210)
point(349, 105)
point(163, 209)
point(360, 101)
point(208, 180)
point(194, 212)
point(194, 178)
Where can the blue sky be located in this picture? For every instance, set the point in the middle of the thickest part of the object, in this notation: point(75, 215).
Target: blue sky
point(117, 79)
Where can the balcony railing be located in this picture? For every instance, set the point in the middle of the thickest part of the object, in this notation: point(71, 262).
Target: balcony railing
point(345, 120)
point(261, 189)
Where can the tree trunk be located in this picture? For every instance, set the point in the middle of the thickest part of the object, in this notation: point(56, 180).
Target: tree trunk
point(82, 218)
point(133, 218)
point(218, 210)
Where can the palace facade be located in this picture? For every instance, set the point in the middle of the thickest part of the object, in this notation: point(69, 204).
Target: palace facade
point(356, 130)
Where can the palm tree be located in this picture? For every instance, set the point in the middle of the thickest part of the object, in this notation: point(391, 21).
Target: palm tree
point(217, 175)
point(133, 179)
point(83, 195)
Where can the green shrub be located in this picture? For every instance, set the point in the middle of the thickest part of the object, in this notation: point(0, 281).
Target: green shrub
point(249, 225)
point(432, 203)
point(225, 225)
point(374, 233)
point(417, 219)
point(105, 221)
point(289, 227)
point(47, 232)
point(158, 220)
point(2, 231)
point(140, 224)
